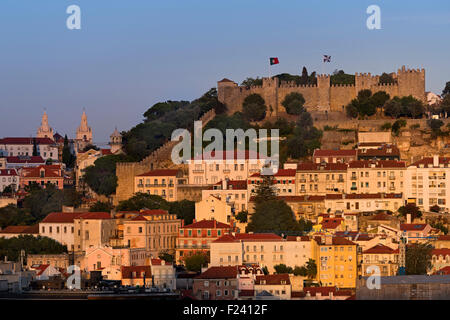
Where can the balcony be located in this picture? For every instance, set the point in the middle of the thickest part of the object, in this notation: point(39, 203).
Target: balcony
point(391, 177)
point(391, 188)
point(353, 188)
point(226, 170)
point(302, 180)
point(198, 171)
point(140, 185)
point(353, 178)
point(340, 180)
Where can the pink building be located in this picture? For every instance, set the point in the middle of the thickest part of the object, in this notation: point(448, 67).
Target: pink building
point(42, 175)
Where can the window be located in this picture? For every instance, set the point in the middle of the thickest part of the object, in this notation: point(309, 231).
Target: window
point(218, 293)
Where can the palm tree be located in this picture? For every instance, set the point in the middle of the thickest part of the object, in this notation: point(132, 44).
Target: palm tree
point(311, 269)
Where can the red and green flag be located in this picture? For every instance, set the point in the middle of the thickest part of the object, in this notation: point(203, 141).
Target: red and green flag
point(274, 61)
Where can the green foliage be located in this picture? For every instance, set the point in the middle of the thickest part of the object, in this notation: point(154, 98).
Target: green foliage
point(300, 271)
point(397, 126)
point(184, 209)
point(408, 107)
point(304, 79)
point(265, 191)
point(159, 109)
point(366, 104)
point(446, 90)
point(242, 216)
point(293, 103)
point(250, 82)
point(386, 126)
point(166, 256)
point(32, 245)
point(40, 202)
point(265, 270)
point(13, 216)
point(67, 157)
point(340, 77)
point(101, 177)
point(282, 268)
point(311, 268)
point(100, 207)
point(411, 209)
point(254, 108)
point(304, 139)
point(386, 79)
point(418, 258)
point(196, 261)
point(89, 147)
point(439, 225)
point(435, 125)
point(445, 105)
point(435, 208)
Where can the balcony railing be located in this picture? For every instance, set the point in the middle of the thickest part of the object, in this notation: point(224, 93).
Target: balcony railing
point(391, 178)
point(353, 178)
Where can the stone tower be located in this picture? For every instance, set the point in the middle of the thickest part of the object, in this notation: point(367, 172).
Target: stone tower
point(115, 141)
point(84, 133)
point(44, 131)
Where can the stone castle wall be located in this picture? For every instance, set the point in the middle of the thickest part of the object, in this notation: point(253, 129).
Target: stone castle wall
point(158, 159)
point(323, 96)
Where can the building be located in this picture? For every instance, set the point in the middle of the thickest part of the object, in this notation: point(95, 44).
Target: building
point(336, 259)
point(58, 261)
point(84, 134)
point(93, 230)
point(215, 208)
point(235, 191)
point(45, 271)
point(160, 182)
point(321, 178)
point(42, 175)
point(84, 160)
point(44, 147)
point(154, 230)
point(427, 181)
point(98, 258)
point(334, 156)
point(9, 178)
point(321, 293)
point(371, 151)
point(283, 182)
point(44, 131)
point(198, 236)
point(416, 232)
point(18, 162)
point(210, 168)
point(136, 276)
point(376, 176)
point(217, 283)
point(381, 256)
point(278, 285)
point(363, 202)
point(115, 142)
point(59, 226)
point(16, 231)
point(163, 274)
point(440, 258)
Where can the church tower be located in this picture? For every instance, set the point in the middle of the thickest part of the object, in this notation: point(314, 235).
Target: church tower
point(84, 133)
point(115, 141)
point(44, 131)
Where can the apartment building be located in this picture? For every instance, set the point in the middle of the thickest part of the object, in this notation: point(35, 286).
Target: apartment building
point(92, 230)
point(18, 146)
point(9, 178)
point(60, 226)
point(234, 191)
point(334, 156)
point(283, 182)
point(381, 256)
point(42, 175)
point(363, 202)
point(376, 176)
point(321, 178)
point(160, 182)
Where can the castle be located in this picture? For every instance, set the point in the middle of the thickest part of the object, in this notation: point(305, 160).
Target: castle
point(324, 96)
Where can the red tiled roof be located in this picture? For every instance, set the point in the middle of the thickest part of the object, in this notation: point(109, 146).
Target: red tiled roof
point(127, 272)
point(25, 159)
point(249, 237)
point(50, 171)
point(246, 293)
point(443, 271)
point(336, 241)
point(8, 172)
point(61, 217)
point(233, 184)
point(280, 173)
point(334, 153)
point(364, 196)
point(138, 218)
point(380, 249)
point(440, 252)
point(331, 223)
point(94, 215)
point(225, 80)
point(304, 198)
point(444, 238)
point(273, 279)
point(429, 161)
point(159, 262)
point(376, 164)
point(325, 291)
point(294, 238)
point(224, 155)
point(381, 216)
point(382, 151)
point(412, 226)
point(207, 224)
point(160, 173)
point(153, 212)
point(311, 166)
point(228, 272)
point(21, 229)
point(19, 140)
point(105, 151)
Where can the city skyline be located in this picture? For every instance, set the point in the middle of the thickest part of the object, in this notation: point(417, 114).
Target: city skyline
point(131, 56)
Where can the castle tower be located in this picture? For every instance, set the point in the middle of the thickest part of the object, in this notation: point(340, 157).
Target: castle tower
point(115, 141)
point(323, 86)
point(44, 131)
point(411, 82)
point(84, 133)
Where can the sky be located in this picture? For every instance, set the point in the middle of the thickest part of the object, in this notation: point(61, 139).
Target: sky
point(128, 55)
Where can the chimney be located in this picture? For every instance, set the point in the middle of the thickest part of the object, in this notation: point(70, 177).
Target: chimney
point(408, 218)
point(436, 160)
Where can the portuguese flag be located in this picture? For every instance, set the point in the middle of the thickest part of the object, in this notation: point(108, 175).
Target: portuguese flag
point(274, 61)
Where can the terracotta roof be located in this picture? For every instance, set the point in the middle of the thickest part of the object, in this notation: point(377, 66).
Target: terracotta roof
point(138, 218)
point(95, 215)
point(331, 223)
point(353, 235)
point(25, 159)
point(225, 80)
point(376, 164)
point(233, 185)
point(159, 262)
point(294, 238)
point(224, 155)
point(160, 173)
point(429, 161)
point(280, 173)
point(412, 226)
point(311, 166)
point(153, 212)
point(444, 238)
point(21, 229)
point(127, 272)
point(381, 216)
point(61, 217)
point(8, 172)
point(443, 271)
point(336, 241)
point(246, 293)
point(325, 291)
point(228, 272)
point(304, 198)
point(364, 196)
point(273, 279)
point(207, 224)
point(334, 153)
point(249, 237)
point(105, 151)
point(19, 140)
point(50, 171)
point(382, 151)
point(380, 249)
point(440, 252)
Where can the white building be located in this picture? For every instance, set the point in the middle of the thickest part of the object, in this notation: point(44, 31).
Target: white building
point(59, 226)
point(9, 177)
point(45, 147)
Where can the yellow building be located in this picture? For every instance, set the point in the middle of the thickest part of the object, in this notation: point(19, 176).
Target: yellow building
point(336, 261)
point(160, 182)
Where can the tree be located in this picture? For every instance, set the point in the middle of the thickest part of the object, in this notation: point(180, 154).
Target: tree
point(435, 125)
point(446, 90)
point(293, 103)
point(166, 256)
point(397, 126)
point(143, 201)
point(13, 216)
point(379, 99)
point(184, 209)
point(300, 271)
point(265, 191)
point(254, 107)
point(393, 108)
point(67, 157)
point(304, 139)
point(418, 258)
point(242, 216)
point(311, 268)
point(196, 261)
point(386, 79)
point(32, 245)
point(100, 206)
point(439, 225)
point(411, 209)
point(404, 107)
point(40, 202)
point(340, 77)
point(435, 208)
point(282, 268)
point(250, 82)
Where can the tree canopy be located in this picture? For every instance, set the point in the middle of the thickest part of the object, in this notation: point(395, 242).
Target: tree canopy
point(293, 103)
point(418, 258)
point(32, 245)
point(254, 107)
point(366, 103)
point(196, 261)
point(404, 107)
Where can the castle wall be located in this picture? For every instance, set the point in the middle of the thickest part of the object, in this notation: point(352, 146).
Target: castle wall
point(340, 96)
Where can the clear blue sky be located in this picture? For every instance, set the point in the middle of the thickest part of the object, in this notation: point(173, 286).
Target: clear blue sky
point(131, 54)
